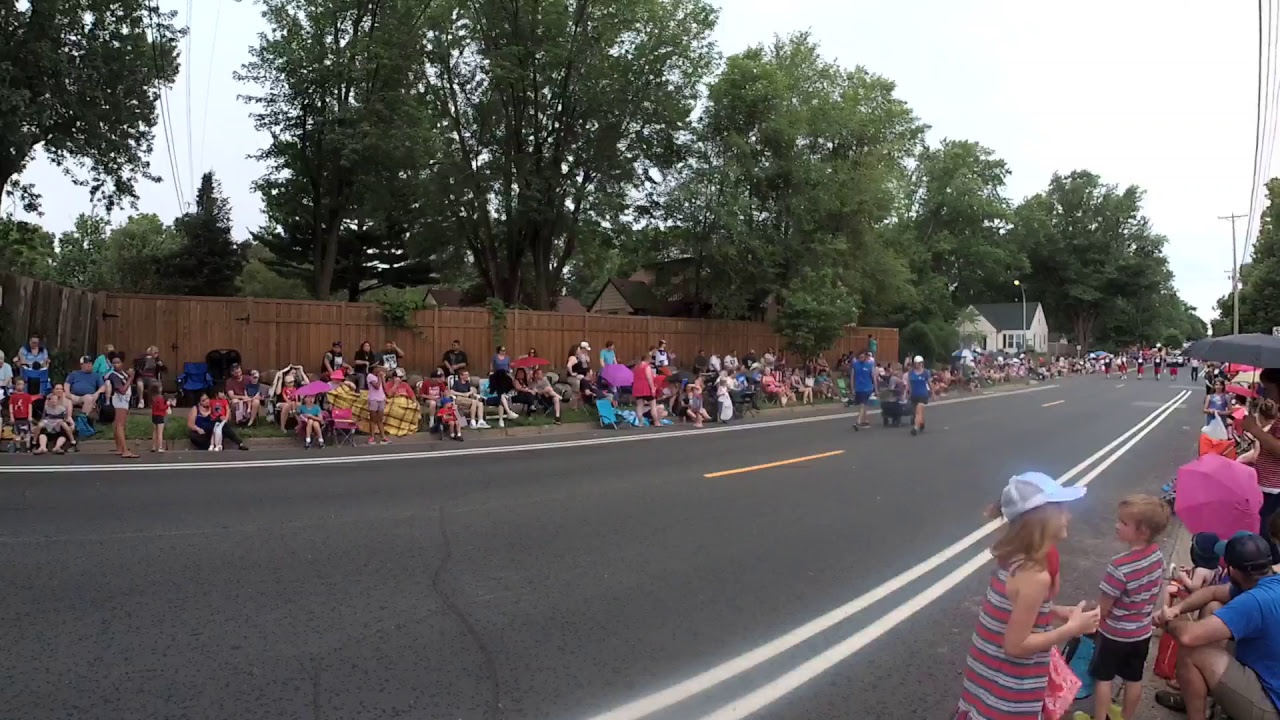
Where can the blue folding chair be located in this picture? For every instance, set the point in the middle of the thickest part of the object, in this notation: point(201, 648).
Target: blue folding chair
point(37, 376)
point(608, 417)
point(195, 379)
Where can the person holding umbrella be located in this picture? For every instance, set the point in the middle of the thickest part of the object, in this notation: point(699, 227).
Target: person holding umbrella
point(1268, 460)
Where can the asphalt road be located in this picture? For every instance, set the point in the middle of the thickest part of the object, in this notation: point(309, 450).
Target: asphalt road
point(556, 582)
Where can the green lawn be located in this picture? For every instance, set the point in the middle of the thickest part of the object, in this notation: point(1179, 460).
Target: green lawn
point(175, 427)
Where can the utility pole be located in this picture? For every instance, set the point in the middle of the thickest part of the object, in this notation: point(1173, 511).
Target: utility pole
point(1235, 275)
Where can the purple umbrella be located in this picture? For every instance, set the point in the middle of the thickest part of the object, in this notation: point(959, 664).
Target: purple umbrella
point(316, 387)
point(617, 375)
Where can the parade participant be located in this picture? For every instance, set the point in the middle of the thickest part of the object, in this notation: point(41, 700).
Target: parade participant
point(918, 383)
point(1157, 361)
point(1142, 362)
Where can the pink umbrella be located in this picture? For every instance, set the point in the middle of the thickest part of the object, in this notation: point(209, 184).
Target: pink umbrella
point(1218, 495)
point(316, 387)
point(1241, 390)
point(617, 375)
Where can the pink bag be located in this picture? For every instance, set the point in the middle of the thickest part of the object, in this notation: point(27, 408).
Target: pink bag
point(1061, 690)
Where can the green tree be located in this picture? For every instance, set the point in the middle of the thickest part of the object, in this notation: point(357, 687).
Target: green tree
point(80, 81)
point(814, 313)
point(796, 163)
point(953, 230)
point(557, 113)
point(207, 259)
point(338, 81)
point(1260, 278)
point(26, 249)
point(260, 281)
point(81, 253)
point(135, 256)
point(1092, 254)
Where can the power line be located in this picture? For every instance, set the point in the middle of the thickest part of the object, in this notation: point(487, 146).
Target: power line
point(208, 83)
point(1268, 142)
point(162, 101)
point(1261, 108)
point(191, 162)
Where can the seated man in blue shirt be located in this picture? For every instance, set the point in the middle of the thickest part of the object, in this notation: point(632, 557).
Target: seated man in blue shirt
point(1247, 685)
point(84, 387)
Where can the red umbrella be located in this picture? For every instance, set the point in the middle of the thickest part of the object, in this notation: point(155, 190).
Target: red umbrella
point(1241, 390)
point(530, 362)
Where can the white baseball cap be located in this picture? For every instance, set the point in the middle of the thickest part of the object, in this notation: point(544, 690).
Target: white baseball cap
point(917, 359)
point(1030, 490)
point(584, 346)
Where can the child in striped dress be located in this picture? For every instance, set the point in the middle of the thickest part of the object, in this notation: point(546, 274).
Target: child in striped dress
point(1008, 663)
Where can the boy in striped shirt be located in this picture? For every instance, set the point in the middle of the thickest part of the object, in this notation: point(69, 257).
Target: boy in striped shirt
point(1130, 588)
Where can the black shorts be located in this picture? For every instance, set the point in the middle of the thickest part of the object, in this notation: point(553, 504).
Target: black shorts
point(919, 400)
point(157, 419)
point(1117, 658)
point(861, 398)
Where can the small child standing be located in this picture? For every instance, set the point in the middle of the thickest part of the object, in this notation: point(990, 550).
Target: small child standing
point(1130, 588)
point(160, 409)
point(220, 410)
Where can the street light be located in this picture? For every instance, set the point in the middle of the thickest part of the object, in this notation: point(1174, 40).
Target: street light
point(1020, 286)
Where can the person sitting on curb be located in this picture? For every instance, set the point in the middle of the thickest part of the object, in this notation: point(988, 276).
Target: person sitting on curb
point(1248, 684)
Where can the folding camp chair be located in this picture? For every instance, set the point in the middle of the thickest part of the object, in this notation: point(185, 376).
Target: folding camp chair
point(342, 424)
point(608, 416)
point(195, 379)
point(32, 379)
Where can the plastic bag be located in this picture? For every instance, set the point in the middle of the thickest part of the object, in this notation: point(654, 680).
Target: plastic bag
point(1215, 430)
point(1060, 692)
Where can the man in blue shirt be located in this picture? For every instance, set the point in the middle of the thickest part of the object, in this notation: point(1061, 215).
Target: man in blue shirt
point(1247, 685)
point(863, 376)
point(84, 386)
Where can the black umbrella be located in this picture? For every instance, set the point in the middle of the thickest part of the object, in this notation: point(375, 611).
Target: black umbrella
point(1255, 349)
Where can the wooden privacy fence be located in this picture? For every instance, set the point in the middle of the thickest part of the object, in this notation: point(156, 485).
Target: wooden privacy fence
point(67, 319)
point(273, 333)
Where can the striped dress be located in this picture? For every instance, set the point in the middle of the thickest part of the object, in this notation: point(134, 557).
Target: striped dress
point(996, 686)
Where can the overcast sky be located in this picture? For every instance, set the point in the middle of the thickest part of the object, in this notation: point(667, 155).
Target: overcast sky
point(1158, 94)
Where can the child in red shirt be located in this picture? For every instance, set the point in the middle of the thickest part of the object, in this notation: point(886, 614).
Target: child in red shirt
point(219, 410)
point(160, 410)
point(20, 412)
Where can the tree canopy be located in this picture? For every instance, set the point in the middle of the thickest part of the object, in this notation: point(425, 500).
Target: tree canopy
point(524, 150)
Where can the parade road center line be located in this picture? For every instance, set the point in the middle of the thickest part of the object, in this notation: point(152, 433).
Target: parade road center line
point(1051, 404)
point(808, 670)
point(421, 454)
point(733, 667)
point(779, 463)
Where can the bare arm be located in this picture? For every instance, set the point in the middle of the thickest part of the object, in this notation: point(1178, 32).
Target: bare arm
point(1201, 632)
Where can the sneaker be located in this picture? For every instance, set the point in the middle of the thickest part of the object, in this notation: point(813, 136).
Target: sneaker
point(513, 415)
point(385, 441)
point(373, 441)
point(321, 444)
point(306, 445)
point(482, 425)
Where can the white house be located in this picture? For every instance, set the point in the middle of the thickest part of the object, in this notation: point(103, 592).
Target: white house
point(1000, 326)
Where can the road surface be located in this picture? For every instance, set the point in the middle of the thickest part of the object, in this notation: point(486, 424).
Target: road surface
point(609, 580)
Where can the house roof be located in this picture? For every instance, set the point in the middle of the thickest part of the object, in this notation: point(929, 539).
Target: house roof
point(569, 306)
point(446, 297)
point(637, 294)
point(1007, 316)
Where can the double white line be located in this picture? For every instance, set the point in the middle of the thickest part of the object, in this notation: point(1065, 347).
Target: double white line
point(763, 696)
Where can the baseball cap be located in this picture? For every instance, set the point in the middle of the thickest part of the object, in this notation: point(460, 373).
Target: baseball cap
point(1204, 550)
point(83, 359)
point(1248, 552)
point(1030, 490)
point(917, 359)
point(584, 346)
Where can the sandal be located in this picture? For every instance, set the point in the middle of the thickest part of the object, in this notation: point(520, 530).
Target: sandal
point(1171, 700)
point(130, 456)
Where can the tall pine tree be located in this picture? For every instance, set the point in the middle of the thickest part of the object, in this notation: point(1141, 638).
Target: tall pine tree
point(208, 261)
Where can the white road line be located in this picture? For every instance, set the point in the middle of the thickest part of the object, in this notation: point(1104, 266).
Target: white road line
point(708, 679)
point(769, 693)
point(1120, 386)
point(420, 454)
point(1051, 404)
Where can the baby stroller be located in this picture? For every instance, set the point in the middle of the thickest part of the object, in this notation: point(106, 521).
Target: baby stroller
point(892, 410)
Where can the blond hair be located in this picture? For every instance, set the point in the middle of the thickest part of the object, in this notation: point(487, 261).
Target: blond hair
point(1149, 513)
point(1027, 538)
